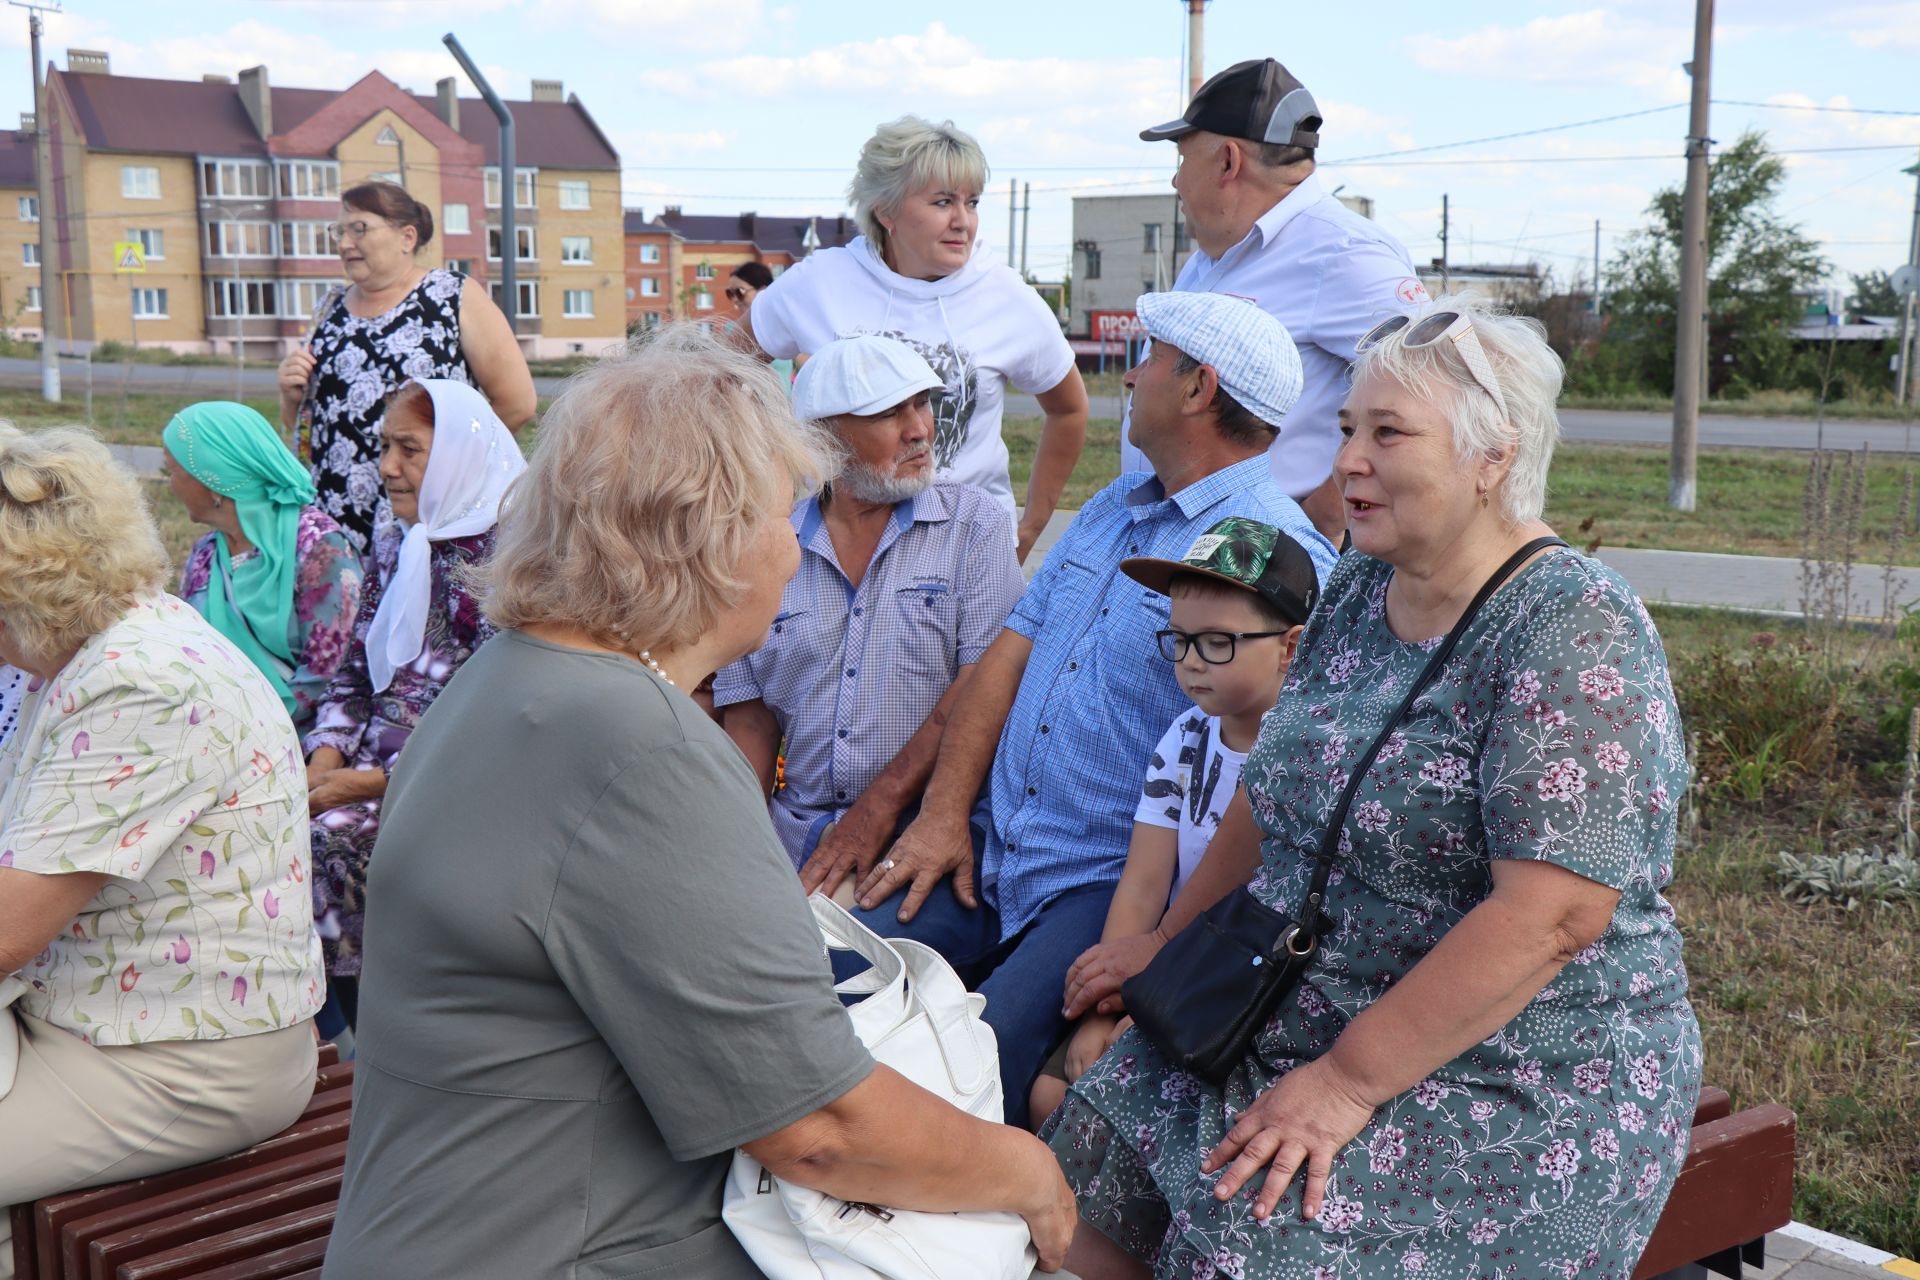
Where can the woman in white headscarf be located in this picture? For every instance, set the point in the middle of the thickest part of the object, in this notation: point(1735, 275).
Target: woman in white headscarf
point(446, 461)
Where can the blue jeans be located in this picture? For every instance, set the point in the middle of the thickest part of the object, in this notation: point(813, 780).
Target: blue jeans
point(1024, 978)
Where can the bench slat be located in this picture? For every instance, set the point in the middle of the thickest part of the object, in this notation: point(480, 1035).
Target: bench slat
point(238, 1245)
point(1736, 1186)
point(212, 1208)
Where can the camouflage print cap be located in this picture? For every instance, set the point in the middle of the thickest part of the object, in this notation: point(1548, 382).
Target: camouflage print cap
point(1246, 553)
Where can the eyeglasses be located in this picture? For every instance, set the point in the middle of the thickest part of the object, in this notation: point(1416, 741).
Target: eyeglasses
point(1432, 328)
point(736, 294)
point(1215, 647)
point(356, 230)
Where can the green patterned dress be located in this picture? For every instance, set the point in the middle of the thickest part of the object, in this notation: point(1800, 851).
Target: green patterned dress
point(1549, 1149)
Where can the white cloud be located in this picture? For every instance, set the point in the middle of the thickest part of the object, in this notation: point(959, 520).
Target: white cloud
point(676, 24)
point(1597, 47)
point(652, 146)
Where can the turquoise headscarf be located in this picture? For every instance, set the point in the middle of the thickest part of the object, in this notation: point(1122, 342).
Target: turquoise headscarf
point(234, 451)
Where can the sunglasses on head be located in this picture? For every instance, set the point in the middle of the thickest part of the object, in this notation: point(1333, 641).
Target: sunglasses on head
point(1431, 328)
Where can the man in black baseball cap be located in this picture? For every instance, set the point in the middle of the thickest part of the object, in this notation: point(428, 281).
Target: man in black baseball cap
point(1265, 228)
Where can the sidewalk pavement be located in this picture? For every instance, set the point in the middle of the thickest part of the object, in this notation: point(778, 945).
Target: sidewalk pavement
point(1800, 1252)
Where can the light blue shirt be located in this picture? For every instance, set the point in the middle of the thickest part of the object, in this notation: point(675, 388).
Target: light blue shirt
point(1097, 695)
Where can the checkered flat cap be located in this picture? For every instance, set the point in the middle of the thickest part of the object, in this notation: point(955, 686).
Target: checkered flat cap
point(1249, 351)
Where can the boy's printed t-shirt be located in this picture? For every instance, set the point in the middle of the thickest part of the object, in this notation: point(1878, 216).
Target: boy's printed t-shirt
point(1190, 777)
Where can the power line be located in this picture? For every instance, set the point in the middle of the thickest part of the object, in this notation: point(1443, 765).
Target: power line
point(1507, 137)
point(1805, 106)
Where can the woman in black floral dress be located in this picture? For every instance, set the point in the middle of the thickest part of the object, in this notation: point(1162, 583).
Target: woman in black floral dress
point(395, 321)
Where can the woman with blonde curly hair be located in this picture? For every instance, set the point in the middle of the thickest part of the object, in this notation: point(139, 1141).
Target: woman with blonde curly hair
point(588, 959)
point(156, 938)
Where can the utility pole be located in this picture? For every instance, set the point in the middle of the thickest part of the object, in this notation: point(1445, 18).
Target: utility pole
point(1689, 361)
point(1196, 38)
point(1596, 268)
point(1026, 210)
point(509, 188)
point(1446, 214)
point(1013, 208)
point(1904, 383)
point(43, 171)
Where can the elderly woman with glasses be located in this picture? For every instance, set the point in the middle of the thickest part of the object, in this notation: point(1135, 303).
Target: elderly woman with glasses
point(395, 320)
point(919, 273)
point(1491, 1066)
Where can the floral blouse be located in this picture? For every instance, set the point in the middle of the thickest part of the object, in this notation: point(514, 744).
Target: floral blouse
point(161, 757)
point(370, 728)
point(326, 599)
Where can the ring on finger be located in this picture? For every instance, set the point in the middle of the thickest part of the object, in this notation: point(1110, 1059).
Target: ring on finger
point(887, 865)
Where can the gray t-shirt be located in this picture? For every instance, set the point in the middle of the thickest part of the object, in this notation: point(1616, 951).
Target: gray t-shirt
point(590, 974)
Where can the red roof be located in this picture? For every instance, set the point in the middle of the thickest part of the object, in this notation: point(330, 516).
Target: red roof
point(16, 159)
point(767, 234)
point(197, 117)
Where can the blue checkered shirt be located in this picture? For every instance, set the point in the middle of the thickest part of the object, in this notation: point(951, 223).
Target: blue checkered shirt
point(852, 672)
point(1097, 695)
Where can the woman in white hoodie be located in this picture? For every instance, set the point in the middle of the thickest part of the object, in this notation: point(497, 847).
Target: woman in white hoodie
point(915, 276)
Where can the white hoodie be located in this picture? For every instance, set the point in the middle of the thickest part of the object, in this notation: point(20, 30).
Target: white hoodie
point(981, 328)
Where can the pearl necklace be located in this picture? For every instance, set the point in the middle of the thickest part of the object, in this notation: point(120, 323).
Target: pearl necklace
point(657, 669)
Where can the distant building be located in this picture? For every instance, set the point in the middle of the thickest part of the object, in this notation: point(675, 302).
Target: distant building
point(701, 251)
point(1511, 284)
point(652, 257)
point(229, 189)
point(19, 235)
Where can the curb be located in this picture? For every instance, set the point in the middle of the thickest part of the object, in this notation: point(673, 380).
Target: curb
point(1853, 1250)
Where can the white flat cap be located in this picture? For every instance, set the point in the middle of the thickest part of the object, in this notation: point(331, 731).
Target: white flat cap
point(1249, 351)
point(864, 374)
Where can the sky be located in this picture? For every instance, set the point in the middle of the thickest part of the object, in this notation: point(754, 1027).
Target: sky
point(723, 106)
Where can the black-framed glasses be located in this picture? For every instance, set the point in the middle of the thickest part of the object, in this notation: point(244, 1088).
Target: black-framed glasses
point(1215, 647)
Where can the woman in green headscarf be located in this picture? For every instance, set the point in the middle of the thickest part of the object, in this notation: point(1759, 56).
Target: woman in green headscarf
point(276, 576)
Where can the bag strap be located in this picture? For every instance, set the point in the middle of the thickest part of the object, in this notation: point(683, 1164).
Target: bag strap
point(1337, 821)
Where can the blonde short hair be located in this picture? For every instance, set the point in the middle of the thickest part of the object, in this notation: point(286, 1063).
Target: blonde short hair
point(1529, 374)
point(904, 156)
point(654, 471)
point(77, 543)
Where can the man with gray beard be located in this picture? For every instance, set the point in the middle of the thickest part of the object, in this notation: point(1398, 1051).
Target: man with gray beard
point(902, 585)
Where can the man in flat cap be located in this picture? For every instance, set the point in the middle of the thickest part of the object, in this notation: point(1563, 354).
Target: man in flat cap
point(1068, 701)
point(1266, 228)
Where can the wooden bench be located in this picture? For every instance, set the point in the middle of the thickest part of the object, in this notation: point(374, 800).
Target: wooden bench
point(264, 1213)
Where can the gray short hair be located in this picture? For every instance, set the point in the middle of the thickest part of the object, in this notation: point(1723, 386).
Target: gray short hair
point(904, 156)
point(1529, 374)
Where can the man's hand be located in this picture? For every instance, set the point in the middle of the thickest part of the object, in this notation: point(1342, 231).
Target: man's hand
point(1090, 1040)
point(932, 848)
point(1094, 980)
point(850, 847)
point(338, 787)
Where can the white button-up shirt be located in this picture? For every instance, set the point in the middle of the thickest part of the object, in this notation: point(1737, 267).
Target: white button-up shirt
point(1328, 275)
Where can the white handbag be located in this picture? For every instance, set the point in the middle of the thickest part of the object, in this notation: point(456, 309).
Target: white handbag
point(919, 1019)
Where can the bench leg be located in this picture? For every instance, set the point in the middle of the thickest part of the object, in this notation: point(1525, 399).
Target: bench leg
point(1728, 1262)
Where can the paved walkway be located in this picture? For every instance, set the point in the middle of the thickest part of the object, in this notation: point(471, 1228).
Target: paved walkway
point(1801, 1252)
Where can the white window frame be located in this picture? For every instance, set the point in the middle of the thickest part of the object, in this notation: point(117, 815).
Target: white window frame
point(584, 245)
point(576, 193)
point(524, 183)
point(529, 291)
point(33, 297)
point(253, 291)
point(152, 242)
point(703, 271)
point(149, 303)
point(300, 296)
point(649, 286)
point(307, 179)
point(703, 300)
point(220, 234)
point(526, 244)
point(29, 208)
point(650, 253)
point(460, 226)
point(29, 253)
point(307, 238)
point(569, 300)
point(139, 182)
point(228, 179)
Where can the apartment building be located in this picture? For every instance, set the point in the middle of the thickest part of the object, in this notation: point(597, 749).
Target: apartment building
point(652, 266)
point(699, 252)
point(229, 186)
point(19, 236)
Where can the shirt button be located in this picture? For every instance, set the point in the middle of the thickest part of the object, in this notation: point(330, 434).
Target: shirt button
point(1044, 729)
point(1033, 791)
point(850, 673)
point(840, 795)
point(856, 611)
point(1073, 666)
point(1011, 846)
point(1103, 611)
point(1134, 549)
point(843, 733)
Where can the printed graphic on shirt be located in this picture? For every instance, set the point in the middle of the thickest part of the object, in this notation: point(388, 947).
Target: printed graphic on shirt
point(953, 404)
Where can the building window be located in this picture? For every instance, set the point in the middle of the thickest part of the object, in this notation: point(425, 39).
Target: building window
point(240, 240)
point(29, 208)
point(30, 253)
point(309, 180)
point(577, 304)
point(152, 242)
point(522, 186)
point(629, 293)
point(301, 298)
point(150, 304)
point(1182, 240)
point(236, 180)
point(649, 253)
point(703, 272)
point(243, 299)
point(463, 265)
point(651, 320)
point(703, 300)
point(650, 288)
point(575, 194)
point(33, 297)
point(1091, 256)
point(306, 240)
point(529, 291)
point(526, 248)
point(578, 249)
point(454, 219)
point(139, 182)
point(1152, 243)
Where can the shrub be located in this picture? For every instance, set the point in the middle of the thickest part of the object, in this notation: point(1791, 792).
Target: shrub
point(1764, 714)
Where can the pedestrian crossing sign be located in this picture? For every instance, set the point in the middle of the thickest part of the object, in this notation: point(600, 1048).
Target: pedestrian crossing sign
point(129, 255)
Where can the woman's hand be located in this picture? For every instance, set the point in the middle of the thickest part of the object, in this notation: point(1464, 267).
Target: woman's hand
point(296, 372)
point(1094, 980)
point(1052, 1214)
point(338, 787)
point(1090, 1040)
point(1308, 1115)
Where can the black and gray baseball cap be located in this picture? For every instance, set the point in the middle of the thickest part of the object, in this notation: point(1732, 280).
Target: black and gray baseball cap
point(1258, 100)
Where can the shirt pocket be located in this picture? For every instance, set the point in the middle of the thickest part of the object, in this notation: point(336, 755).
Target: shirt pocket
point(925, 621)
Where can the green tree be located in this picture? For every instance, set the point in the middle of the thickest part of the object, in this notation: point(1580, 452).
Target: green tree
point(1755, 262)
point(1873, 295)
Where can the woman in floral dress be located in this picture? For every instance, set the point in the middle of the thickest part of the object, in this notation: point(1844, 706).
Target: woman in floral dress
point(446, 463)
point(395, 320)
point(1490, 1070)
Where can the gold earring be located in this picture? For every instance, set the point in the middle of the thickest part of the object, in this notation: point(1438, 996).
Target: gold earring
point(1484, 499)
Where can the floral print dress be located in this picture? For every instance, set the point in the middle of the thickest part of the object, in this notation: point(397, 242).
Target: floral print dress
point(359, 362)
point(1549, 1148)
point(326, 600)
point(370, 728)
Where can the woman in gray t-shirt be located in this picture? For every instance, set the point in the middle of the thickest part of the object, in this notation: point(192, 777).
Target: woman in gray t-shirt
point(589, 971)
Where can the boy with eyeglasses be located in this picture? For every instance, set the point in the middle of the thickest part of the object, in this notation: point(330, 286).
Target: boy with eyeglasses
point(1241, 596)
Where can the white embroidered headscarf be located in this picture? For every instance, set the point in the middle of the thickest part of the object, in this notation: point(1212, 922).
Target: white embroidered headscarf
point(473, 460)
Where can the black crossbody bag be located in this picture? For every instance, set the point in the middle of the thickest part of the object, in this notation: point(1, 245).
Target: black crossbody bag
point(1216, 984)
